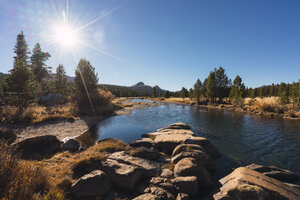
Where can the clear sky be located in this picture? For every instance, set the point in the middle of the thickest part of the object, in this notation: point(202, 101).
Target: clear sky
point(169, 43)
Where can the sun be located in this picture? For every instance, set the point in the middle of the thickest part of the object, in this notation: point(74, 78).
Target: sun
point(65, 35)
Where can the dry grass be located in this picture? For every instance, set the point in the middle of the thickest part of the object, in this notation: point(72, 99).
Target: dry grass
point(23, 180)
point(171, 166)
point(178, 100)
point(268, 104)
point(63, 167)
point(37, 114)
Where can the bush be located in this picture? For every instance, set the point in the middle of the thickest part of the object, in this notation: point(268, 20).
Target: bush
point(7, 135)
point(101, 102)
point(269, 107)
point(22, 180)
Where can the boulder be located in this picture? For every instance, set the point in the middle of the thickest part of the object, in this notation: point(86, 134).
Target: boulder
point(186, 147)
point(70, 145)
point(147, 196)
point(182, 196)
point(143, 152)
point(38, 147)
point(168, 132)
point(188, 184)
point(178, 125)
point(205, 144)
point(125, 171)
point(190, 167)
point(144, 142)
point(92, 184)
point(167, 173)
point(275, 172)
point(159, 192)
point(163, 183)
point(202, 158)
point(166, 143)
point(244, 183)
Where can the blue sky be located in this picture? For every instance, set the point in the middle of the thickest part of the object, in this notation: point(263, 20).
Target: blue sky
point(169, 43)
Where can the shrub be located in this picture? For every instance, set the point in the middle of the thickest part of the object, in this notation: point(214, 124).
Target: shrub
point(22, 180)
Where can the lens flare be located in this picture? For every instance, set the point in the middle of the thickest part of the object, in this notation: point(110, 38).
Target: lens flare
point(65, 35)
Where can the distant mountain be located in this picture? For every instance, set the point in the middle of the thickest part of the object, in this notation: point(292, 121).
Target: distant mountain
point(138, 89)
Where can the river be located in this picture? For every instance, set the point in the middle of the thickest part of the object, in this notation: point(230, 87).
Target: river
point(245, 138)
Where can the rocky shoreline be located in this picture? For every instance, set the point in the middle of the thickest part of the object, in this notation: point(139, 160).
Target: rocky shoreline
point(72, 129)
point(171, 163)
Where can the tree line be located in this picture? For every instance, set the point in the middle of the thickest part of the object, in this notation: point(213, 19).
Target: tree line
point(217, 88)
point(30, 78)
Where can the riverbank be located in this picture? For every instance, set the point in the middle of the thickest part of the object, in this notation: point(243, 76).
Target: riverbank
point(171, 163)
point(250, 109)
point(70, 129)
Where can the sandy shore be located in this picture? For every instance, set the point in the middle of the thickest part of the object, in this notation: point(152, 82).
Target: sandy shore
point(65, 129)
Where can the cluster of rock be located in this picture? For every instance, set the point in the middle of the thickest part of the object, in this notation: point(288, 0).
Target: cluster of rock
point(173, 163)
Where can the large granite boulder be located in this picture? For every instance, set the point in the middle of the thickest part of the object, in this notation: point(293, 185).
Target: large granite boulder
point(186, 147)
point(70, 145)
point(146, 196)
point(169, 132)
point(126, 171)
point(146, 153)
point(202, 158)
point(188, 184)
point(38, 147)
point(92, 184)
point(144, 142)
point(205, 144)
point(178, 125)
point(277, 173)
point(191, 167)
point(244, 183)
point(159, 192)
point(166, 143)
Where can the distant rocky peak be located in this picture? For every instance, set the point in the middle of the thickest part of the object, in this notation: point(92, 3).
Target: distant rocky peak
point(139, 84)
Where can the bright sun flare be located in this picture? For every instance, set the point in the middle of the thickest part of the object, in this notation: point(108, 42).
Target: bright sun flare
point(65, 36)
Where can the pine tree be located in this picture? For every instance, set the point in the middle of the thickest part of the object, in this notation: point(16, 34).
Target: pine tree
point(60, 81)
point(167, 94)
point(38, 59)
point(184, 93)
point(86, 79)
point(22, 84)
point(211, 86)
point(154, 91)
point(294, 93)
point(283, 93)
point(197, 90)
point(237, 90)
point(222, 84)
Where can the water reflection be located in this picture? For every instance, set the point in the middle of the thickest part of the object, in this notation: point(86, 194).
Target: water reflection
point(243, 137)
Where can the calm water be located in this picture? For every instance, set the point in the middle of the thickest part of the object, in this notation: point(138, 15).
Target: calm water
point(242, 137)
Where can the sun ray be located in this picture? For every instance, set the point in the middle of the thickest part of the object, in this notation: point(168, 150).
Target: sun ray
point(101, 16)
point(108, 54)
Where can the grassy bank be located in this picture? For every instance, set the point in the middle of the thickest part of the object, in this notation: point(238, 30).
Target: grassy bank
point(269, 106)
point(49, 178)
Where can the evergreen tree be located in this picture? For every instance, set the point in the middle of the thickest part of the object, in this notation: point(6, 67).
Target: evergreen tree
point(294, 93)
point(211, 86)
point(167, 94)
point(222, 84)
point(86, 83)
point(60, 81)
point(184, 93)
point(23, 86)
point(284, 93)
point(154, 92)
point(21, 50)
point(38, 59)
point(237, 89)
point(191, 93)
point(197, 90)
